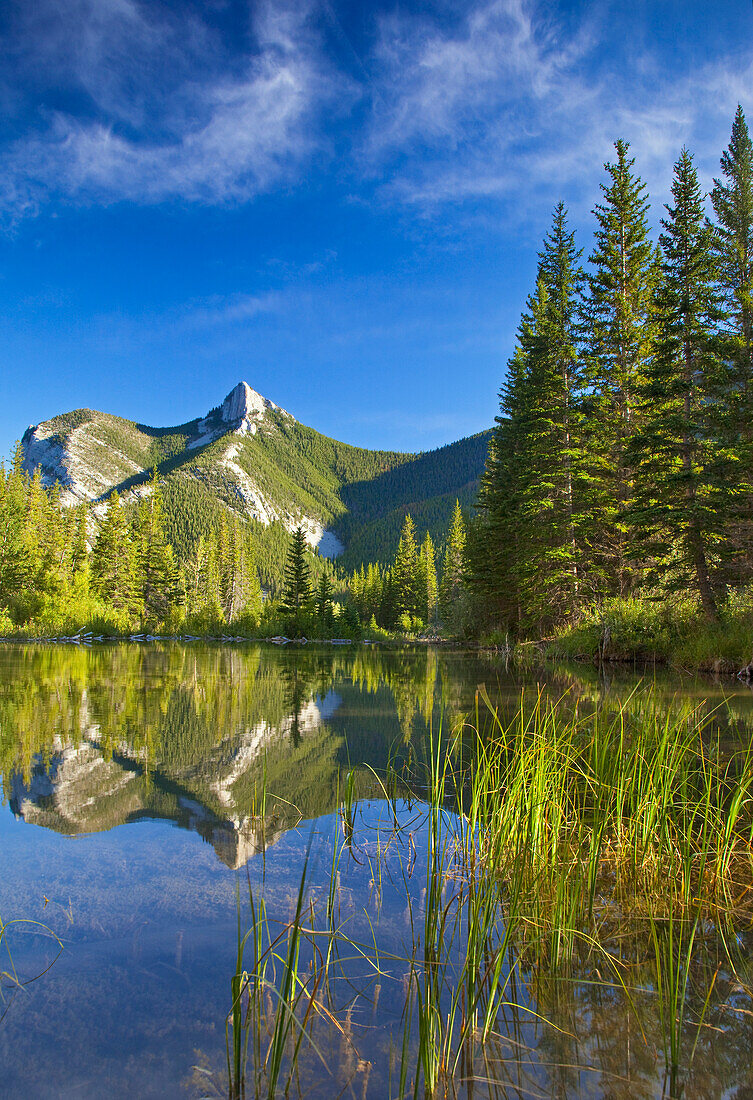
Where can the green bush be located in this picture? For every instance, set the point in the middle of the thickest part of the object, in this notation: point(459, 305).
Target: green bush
point(667, 630)
point(7, 626)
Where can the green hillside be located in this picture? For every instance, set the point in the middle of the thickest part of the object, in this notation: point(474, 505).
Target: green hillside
point(427, 486)
point(250, 458)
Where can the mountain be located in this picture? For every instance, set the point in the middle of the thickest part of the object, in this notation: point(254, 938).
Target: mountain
point(253, 458)
point(84, 786)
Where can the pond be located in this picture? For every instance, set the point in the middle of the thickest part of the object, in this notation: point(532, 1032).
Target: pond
point(161, 802)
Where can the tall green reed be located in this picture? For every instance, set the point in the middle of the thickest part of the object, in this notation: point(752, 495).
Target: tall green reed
point(553, 840)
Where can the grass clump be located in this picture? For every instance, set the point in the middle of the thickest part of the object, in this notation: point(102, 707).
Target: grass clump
point(673, 632)
point(552, 852)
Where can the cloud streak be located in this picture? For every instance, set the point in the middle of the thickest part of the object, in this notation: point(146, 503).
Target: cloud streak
point(220, 131)
point(495, 103)
point(507, 106)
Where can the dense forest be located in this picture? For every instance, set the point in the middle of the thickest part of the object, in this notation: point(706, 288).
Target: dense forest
point(618, 486)
point(620, 466)
point(65, 570)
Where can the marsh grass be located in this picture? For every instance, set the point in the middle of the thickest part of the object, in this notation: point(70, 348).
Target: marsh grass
point(558, 847)
point(10, 980)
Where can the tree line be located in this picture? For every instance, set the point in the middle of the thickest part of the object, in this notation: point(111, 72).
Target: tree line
point(113, 568)
point(62, 568)
point(621, 463)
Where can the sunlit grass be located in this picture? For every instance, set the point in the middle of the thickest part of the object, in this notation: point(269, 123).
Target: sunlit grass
point(554, 845)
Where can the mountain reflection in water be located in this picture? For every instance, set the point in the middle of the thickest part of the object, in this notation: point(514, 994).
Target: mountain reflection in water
point(85, 788)
point(237, 745)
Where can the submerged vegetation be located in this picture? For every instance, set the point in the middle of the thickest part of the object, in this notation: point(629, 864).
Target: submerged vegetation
point(11, 981)
point(566, 864)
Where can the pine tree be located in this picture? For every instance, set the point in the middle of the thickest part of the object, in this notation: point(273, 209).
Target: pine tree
point(114, 562)
point(156, 567)
point(493, 543)
point(247, 589)
point(297, 592)
point(536, 495)
point(405, 572)
point(732, 200)
point(15, 563)
point(428, 579)
point(617, 338)
point(683, 493)
point(453, 566)
point(324, 602)
point(79, 546)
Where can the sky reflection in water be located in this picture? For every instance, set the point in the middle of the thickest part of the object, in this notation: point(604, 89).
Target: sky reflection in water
point(132, 782)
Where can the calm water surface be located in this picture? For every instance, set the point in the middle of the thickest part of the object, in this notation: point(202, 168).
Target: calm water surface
point(146, 790)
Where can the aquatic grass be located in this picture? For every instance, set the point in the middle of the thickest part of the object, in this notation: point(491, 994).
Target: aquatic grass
point(672, 941)
point(625, 812)
point(11, 976)
point(258, 988)
point(595, 823)
point(588, 824)
point(563, 843)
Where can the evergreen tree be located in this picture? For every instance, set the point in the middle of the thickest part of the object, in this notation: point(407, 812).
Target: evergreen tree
point(732, 199)
point(536, 496)
point(323, 602)
point(408, 597)
point(79, 544)
point(683, 492)
point(617, 337)
point(493, 545)
point(114, 561)
point(156, 568)
point(428, 579)
point(453, 565)
point(15, 564)
point(297, 591)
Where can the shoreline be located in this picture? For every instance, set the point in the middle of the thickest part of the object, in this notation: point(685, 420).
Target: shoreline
point(521, 656)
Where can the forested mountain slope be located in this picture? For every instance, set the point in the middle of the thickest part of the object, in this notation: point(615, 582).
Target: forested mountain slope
point(427, 486)
point(250, 457)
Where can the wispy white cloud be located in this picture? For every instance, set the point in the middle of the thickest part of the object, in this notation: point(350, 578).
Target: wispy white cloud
point(507, 105)
point(218, 130)
point(231, 310)
point(492, 103)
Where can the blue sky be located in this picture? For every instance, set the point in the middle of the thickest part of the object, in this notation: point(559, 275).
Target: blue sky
point(338, 202)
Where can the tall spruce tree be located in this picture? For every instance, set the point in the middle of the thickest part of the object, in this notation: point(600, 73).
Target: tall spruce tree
point(15, 562)
point(323, 602)
point(617, 314)
point(428, 580)
point(683, 493)
point(297, 592)
point(453, 565)
point(156, 567)
point(494, 539)
point(536, 496)
point(732, 199)
point(114, 564)
point(405, 572)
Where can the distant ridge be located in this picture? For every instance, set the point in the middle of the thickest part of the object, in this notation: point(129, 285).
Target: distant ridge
point(251, 458)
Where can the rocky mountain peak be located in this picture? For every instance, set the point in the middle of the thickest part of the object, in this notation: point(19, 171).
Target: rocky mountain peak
point(245, 406)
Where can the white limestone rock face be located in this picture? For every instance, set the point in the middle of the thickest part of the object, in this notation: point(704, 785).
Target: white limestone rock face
point(317, 536)
point(87, 465)
point(243, 409)
point(260, 508)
